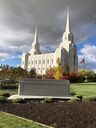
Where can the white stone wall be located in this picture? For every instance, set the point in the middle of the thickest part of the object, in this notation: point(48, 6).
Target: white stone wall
point(24, 61)
point(73, 58)
point(41, 62)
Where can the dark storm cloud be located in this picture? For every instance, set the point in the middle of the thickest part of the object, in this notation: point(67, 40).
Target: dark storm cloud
point(21, 17)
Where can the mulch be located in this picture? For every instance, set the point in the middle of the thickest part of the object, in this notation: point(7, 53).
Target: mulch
point(59, 115)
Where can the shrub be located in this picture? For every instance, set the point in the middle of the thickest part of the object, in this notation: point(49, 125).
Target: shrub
point(18, 100)
point(74, 79)
point(50, 77)
point(44, 76)
point(80, 97)
point(6, 82)
point(48, 100)
point(49, 73)
point(5, 94)
point(38, 76)
point(73, 93)
point(65, 77)
point(74, 99)
point(3, 99)
point(91, 99)
point(8, 86)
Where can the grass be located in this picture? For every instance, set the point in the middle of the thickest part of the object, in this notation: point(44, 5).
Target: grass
point(10, 91)
point(11, 121)
point(84, 89)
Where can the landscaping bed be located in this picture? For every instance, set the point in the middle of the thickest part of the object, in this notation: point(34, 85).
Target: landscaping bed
point(59, 115)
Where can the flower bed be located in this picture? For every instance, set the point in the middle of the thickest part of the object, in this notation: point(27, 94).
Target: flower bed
point(59, 115)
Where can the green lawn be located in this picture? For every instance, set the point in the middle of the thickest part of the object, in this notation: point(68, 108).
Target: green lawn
point(10, 121)
point(11, 91)
point(84, 89)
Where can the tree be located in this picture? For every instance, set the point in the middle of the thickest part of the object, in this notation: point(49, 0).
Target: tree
point(50, 73)
point(12, 73)
point(19, 73)
point(89, 75)
point(58, 71)
point(66, 70)
point(32, 73)
point(5, 72)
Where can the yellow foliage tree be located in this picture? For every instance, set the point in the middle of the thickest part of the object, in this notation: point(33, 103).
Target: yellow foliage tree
point(86, 73)
point(58, 71)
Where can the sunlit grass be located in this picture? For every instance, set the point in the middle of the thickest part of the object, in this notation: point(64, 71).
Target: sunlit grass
point(10, 91)
point(9, 121)
point(84, 89)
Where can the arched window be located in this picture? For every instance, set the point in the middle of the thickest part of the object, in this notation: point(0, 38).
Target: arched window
point(35, 61)
point(47, 61)
point(39, 61)
point(32, 62)
point(52, 61)
point(43, 61)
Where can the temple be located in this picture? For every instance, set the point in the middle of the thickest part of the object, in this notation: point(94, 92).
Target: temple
point(66, 51)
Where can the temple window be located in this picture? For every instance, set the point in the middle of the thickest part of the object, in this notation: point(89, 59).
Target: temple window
point(52, 61)
point(43, 61)
point(48, 61)
point(39, 61)
point(36, 62)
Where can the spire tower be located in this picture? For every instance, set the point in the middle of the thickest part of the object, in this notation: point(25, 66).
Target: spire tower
point(67, 38)
point(68, 29)
point(36, 36)
point(35, 45)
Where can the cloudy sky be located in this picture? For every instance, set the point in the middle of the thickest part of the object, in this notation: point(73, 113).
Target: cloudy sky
point(18, 19)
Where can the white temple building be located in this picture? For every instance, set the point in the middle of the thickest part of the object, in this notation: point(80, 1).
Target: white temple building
point(66, 51)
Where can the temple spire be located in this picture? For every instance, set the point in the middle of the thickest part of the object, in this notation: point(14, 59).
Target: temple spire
point(36, 36)
point(35, 45)
point(68, 30)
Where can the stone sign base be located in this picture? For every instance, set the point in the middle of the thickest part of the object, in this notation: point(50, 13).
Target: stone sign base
point(42, 88)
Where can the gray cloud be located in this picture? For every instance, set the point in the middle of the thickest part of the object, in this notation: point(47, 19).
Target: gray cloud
point(18, 19)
